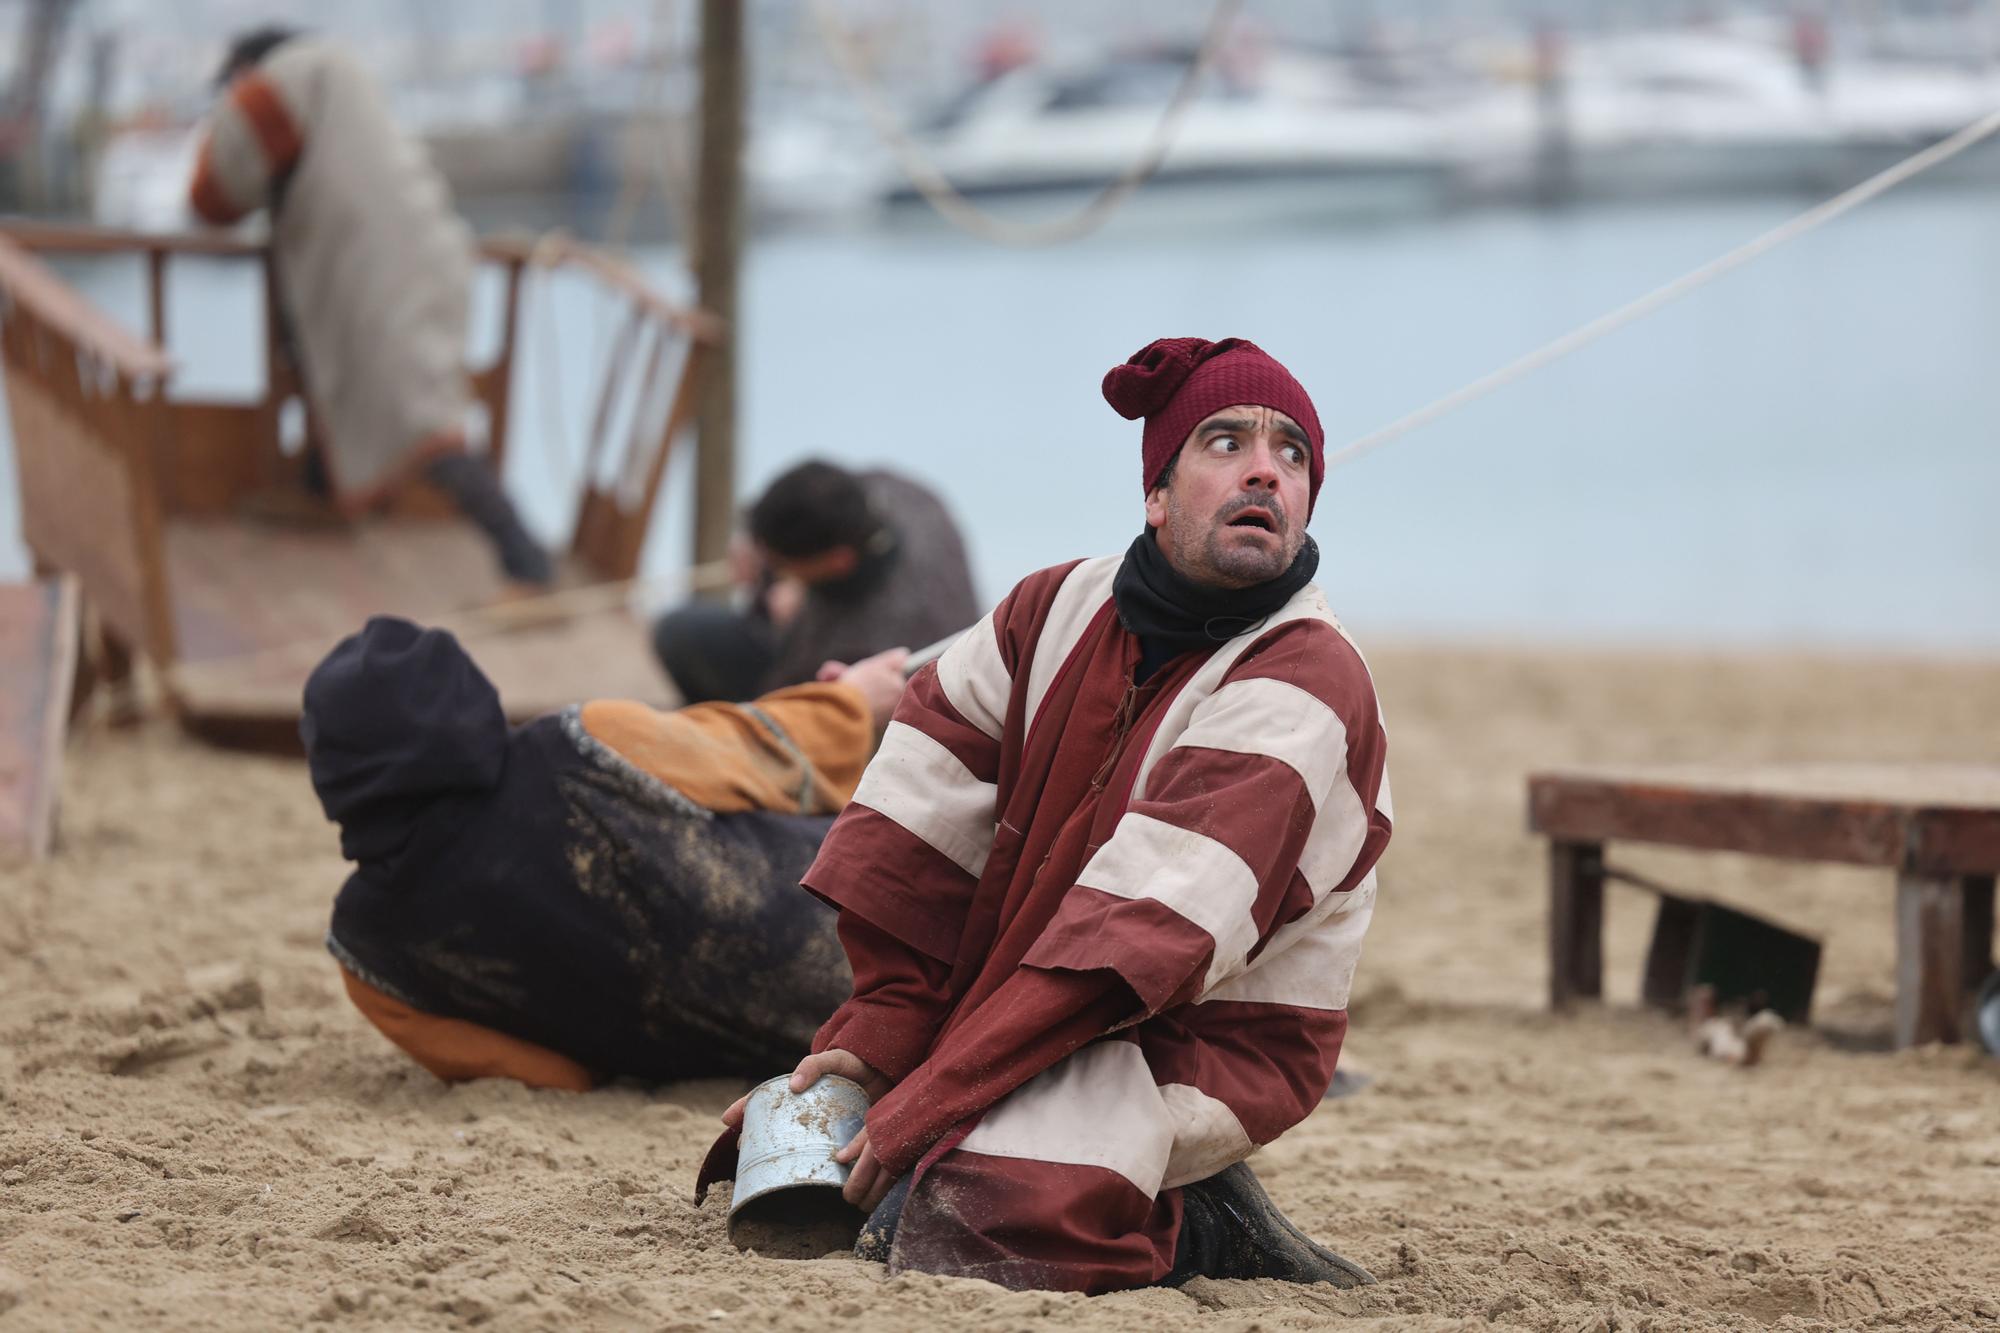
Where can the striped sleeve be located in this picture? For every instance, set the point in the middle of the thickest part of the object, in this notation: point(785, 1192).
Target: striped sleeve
point(899, 997)
point(903, 860)
point(1263, 805)
point(253, 138)
point(1257, 1053)
point(909, 848)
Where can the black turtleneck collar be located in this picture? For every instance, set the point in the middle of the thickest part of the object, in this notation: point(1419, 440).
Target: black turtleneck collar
point(1172, 615)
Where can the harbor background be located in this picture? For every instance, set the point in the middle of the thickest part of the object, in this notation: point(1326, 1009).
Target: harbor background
point(1756, 527)
point(1801, 455)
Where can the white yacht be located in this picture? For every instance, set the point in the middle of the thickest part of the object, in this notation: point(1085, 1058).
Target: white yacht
point(1296, 123)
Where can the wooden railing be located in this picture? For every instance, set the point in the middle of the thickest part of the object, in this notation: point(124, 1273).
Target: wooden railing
point(107, 457)
point(86, 398)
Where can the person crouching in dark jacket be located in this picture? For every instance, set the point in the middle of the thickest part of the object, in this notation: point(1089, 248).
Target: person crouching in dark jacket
point(834, 565)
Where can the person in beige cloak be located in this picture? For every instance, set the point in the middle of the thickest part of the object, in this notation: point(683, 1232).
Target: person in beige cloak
point(375, 273)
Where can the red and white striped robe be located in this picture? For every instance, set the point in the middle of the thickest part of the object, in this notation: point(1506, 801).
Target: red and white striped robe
point(1102, 935)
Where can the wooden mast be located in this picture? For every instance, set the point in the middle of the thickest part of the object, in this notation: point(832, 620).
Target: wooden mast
point(718, 252)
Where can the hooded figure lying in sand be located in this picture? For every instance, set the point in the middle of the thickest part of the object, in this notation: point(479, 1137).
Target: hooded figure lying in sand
point(607, 891)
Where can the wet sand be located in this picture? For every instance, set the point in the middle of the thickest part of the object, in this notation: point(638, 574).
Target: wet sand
point(196, 1131)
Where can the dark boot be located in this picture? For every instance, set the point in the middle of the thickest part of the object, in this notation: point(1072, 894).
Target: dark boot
point(878, 1233)
point(474, 488)
point(715, 652)
point(1231, 1229)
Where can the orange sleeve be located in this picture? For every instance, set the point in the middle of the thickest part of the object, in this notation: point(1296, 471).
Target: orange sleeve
point(456, 1050)
point(798, 750)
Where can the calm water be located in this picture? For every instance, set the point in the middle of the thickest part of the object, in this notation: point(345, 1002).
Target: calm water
point(1804, 452)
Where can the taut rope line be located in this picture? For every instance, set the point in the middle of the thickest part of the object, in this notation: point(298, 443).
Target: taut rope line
point(1632, 311)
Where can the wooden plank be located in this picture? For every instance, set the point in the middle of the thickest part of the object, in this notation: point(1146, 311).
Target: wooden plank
point(1772, 812)
point(1717, 821)
point(1953, 842)
point(1931, 986)
point(1576, 922)
point(33, 286)
point(69, 238)
point(212, 455)
point(603, 655)
point(77, 487)
point(258, 608)
point(1910, 785)
point(38, 647)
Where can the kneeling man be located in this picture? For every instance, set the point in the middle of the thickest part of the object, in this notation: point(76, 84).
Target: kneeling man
point(1104, 885)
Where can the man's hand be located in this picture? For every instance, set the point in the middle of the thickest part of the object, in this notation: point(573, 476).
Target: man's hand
point(869, 1180)
point(879, 678)
point(844, 1063)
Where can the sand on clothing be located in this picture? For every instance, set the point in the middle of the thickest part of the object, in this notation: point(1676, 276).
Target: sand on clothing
point(197, 1132)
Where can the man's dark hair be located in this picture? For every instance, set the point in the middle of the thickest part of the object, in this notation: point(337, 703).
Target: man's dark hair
point(812, 509)
point(250, 48)
point(1166, 476)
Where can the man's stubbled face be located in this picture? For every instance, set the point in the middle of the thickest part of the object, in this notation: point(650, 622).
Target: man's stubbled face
point(1233, 511)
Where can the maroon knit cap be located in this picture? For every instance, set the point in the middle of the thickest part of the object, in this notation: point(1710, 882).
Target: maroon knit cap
point(1175, 382)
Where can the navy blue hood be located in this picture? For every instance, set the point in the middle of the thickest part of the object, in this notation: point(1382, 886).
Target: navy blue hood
point(396, 717)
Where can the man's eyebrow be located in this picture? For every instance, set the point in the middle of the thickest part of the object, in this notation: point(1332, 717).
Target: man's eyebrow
point(1239, 425)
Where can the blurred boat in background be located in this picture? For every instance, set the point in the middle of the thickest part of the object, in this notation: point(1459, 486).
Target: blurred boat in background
point(1364, 130)
point(1296, 117)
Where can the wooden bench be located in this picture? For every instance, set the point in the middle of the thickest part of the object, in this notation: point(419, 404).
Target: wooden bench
point(1936, 825)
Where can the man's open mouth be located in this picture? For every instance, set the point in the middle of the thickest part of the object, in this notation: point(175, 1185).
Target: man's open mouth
point(1254, 518)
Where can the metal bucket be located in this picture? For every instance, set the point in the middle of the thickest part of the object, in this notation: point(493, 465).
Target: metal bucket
point(1986, 1014)
point(787, 1200)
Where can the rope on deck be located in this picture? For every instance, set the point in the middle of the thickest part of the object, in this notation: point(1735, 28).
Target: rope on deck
point(1631, 312)
point(937, 189)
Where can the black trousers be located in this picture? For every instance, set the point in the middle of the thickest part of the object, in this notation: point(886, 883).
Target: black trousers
point(715, 652)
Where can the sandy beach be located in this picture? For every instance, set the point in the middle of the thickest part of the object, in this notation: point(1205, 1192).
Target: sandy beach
point(196, 1131)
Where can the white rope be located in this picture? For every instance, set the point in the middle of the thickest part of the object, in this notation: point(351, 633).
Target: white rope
point(1632, 311)
point(954, 207)
point(548, 357)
